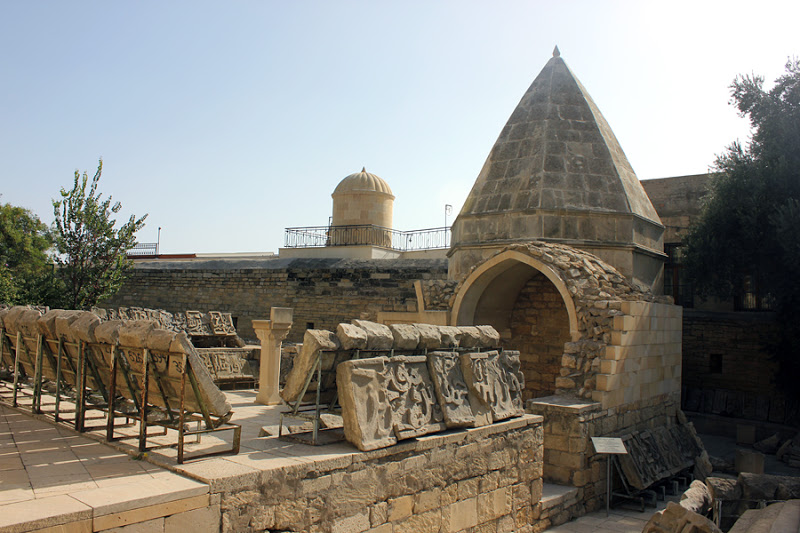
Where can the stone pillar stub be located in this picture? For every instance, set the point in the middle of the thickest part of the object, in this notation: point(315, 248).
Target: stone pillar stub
point(271, 334)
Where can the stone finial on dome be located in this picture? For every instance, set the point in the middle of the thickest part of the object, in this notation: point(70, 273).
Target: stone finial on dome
point(556, 52)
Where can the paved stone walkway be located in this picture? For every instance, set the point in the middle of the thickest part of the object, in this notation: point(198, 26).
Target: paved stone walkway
point(50, 475)
point(618, 521)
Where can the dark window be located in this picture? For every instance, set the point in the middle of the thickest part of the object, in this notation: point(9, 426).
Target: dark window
point(235, 320)
point(752, 297)
point(715, 363)
point(675, 282)
point(309, 325)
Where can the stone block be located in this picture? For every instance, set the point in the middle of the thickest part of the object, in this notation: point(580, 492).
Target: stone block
point(357, 523)
point(400, 508)
point(203, 520)
point(430, 337)
point(451, 389)
point(460, 516)
point(351, 337)
point(749, 461)
point(406, 336)
point(314, 341)
point(379, 336)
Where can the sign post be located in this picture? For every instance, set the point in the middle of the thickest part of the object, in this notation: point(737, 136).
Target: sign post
point(609, 446)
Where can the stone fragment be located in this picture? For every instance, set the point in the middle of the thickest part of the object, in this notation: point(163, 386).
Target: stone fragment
point(769, 445)
point(468, 337)
point(449, 336)
point(429, 337)
point(84, 326)
point(485, 379)
point(720, 488)
point(108, 331)
point(696, 498)
point(490, 338)
point(387, 399)
point(678, 519)
point(133, 333)
point(406, 336)
point(513, 376)
point(351, 337)
point(451, 389)
point(702, 466)
point(379, 336)
point(366, 413)
point(314, 341)
point(413, 398)
point(765, 486)
point(160, 339)
point(749, 461)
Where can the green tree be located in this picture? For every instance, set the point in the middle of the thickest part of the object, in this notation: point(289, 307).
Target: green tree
point(92, 261)
point(748, 231)
point(26, 266)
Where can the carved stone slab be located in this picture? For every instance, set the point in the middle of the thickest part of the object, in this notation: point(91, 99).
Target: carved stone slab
point(412, 396)
point(387, 399)
point(486, 380)
point(510, 364)
point(366, 412)
point(451, 389)
point(227, 363)
point(314, 340)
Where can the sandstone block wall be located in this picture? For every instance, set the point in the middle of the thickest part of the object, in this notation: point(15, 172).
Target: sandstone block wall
point(569, 457)
point(728, 369)
point(643, 359)
point(323, 292)
point(484, 479)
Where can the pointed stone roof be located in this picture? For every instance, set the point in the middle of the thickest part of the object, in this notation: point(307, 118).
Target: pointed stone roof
point(557, 152)
point(557, 173)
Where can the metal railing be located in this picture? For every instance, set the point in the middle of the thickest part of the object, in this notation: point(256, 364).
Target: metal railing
point(367, 235)
point(143, 248)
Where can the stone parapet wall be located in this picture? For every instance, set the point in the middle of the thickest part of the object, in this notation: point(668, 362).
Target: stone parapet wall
point(486, 478)
point(322, 292)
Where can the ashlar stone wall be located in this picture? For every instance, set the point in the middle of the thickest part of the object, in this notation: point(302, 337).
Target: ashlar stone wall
point(482, 479)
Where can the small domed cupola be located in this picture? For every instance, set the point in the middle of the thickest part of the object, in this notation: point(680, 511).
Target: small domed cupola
point(362, 199)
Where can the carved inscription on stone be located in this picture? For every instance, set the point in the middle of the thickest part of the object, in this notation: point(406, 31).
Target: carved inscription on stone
point(366, 412)
point(387, 399)
point(510, 364)
point(411, 395)
point(486, 380)
point(451, 389)
point(194, 323)
point(226, 363)
point(221, 324)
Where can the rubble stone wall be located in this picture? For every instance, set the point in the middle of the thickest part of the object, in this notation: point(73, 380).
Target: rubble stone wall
point(483, 479)
point(539, 329)
point(322, 292)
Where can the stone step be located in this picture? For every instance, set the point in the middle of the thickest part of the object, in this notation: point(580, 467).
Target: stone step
point(558, 495)
point(781, 517)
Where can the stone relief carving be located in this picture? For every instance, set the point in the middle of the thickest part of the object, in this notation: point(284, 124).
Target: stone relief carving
point(411, 396)
point(487, 381)
point(451, 389)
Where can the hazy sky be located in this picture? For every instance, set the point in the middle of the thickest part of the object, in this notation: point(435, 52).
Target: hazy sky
point(228, 121)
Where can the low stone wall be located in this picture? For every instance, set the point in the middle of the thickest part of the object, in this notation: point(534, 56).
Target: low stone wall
point(569, 457)
point(488, 478)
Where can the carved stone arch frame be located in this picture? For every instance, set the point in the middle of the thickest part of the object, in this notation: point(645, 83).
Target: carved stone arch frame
point(475, 285)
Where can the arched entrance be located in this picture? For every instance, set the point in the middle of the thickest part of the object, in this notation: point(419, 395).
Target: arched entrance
point(529, 304)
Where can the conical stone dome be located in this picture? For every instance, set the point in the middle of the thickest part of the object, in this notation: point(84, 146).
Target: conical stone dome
point(557, 173)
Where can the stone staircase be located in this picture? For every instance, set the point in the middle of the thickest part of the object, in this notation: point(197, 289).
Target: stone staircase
point(781, 517)
point(559, 504)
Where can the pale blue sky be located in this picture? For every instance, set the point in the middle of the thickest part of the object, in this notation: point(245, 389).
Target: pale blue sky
point(229, 121)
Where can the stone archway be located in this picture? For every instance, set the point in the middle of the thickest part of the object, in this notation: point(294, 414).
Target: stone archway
point(529, 304)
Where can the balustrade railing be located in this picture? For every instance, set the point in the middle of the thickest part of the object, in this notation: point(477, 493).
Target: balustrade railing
point(367, 235)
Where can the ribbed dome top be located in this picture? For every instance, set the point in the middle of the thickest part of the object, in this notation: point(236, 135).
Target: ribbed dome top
point(363, 182)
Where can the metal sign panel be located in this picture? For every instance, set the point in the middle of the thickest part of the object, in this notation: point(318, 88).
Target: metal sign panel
point(609, 445)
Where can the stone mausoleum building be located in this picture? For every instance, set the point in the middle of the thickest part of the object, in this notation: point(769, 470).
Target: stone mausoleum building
point(558, 247)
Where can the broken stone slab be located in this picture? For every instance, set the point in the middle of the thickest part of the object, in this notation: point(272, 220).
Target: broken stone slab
point(722, 488)
point(410, 390)
point(468, 337)
point(406, 336)
point(511, 367)
point(768, 487)
point(778, 517)
point(677, 519)
point(351, 337)
point(697, 498)
point(366, 413)
point(451, 389)
point(749, 461)
point(449, 336)
point(490, 338)
point(486, 381)
point(108, 332)
point(769, 445)
point(82, 328)
point(133, 333)
point(314, 341)
point(429, 337)
point(379, 336)
point(159, 339)
point(702, 466)
point(47, 322)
